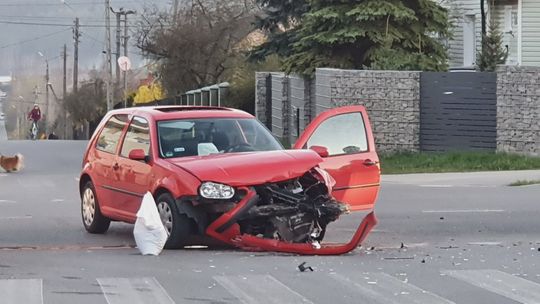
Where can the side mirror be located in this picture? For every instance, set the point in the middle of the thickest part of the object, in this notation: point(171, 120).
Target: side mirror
point(137, 154)
point(322, 151)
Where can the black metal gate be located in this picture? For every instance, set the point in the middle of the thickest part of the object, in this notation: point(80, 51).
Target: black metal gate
point(458, 111)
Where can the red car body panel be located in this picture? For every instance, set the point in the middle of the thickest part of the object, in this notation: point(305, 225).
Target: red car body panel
point(239, 169)
point(357, 175)
point(232, 235)
point(121, 182)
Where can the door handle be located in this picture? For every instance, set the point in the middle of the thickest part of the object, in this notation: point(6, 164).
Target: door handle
point(116, 166)
point(369, 162)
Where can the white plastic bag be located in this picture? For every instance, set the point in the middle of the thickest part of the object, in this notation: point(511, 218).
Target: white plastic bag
point(149, 232)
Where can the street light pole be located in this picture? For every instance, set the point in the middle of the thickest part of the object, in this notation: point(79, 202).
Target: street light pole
point(46, 89)
point(47, 94)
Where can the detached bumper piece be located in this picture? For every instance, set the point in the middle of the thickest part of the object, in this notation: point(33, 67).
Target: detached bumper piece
point(230, 228)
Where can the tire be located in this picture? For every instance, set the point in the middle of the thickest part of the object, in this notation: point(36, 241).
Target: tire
point(93, 220)
point(178, 225)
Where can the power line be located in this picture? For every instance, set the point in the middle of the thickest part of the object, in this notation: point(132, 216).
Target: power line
point(54, 3)
point(33, 39)
point(50, 24)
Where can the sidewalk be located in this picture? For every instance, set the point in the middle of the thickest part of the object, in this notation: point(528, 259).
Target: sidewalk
point(3, 133)
point(461, 179)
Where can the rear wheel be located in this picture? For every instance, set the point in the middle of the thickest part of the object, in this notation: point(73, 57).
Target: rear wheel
point(93, 220)
point(178, 225)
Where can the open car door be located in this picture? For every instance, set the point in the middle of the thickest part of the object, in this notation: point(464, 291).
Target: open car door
point(344, 138)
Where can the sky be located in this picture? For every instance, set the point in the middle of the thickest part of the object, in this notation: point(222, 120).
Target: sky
point(31, 27)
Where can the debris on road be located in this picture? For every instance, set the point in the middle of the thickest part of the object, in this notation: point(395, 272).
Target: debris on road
point(303, 268)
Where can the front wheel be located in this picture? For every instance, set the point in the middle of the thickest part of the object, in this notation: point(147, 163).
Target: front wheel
point(178, 225)
point(93, 220)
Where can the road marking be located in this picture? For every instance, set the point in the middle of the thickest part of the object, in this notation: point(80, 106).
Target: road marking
point(134, 290)
point(384, 288)
point(260, 289)
point(504, 284)
point(28, 291)
point(58, 200)
point(7, 202)
point(23, 217)
point(464, 211)
point(436, 186)
point(485, 243)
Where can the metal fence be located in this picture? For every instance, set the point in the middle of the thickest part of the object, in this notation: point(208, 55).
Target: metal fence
point(458, 111)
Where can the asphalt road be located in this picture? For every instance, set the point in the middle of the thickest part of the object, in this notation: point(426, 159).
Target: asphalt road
point(443, 238)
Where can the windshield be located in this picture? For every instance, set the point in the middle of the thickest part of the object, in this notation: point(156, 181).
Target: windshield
point(192, 137)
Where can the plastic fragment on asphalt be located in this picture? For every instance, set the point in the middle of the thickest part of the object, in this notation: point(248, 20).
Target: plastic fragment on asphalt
point(303, 268)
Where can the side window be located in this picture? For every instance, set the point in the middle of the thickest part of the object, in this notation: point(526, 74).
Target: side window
point(137, 137)
point(341, 134)
point(110, 135)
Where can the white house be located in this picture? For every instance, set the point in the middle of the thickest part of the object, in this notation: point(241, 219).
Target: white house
point(519, 21)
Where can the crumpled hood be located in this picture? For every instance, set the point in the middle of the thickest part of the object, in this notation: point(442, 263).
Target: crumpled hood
point(250, 168)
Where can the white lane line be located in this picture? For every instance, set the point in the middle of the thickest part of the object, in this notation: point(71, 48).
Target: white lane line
point(23, 217)
point(58, 200)
point(28, 291)
point(465, 211)
point(504, 284)
point(485, 243)
point(134, 290)
point(384, 288)
point(7, 202)
point(436, 186)
point(260, 289)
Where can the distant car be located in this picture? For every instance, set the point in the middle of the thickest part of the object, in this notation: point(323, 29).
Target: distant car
point(219, 172)
point(2, 116)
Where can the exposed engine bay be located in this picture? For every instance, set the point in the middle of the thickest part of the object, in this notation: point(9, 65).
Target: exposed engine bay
point(295, 211)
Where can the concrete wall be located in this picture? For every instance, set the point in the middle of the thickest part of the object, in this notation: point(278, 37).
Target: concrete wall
point(518, 110)
point(392, 99)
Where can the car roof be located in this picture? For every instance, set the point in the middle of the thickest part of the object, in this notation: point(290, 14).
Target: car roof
point(183, 112)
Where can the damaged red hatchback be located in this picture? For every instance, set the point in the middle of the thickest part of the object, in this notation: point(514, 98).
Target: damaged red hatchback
point(219, 172)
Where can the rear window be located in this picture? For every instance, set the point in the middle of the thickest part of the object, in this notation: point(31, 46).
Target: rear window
point(137, 137)
point(110, 135)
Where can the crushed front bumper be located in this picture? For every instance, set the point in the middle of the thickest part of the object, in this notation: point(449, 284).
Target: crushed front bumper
point(226, 229)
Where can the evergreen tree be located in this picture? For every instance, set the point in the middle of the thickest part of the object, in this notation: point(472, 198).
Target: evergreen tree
point(493, 52)
point(279, 20)
point(376, 34)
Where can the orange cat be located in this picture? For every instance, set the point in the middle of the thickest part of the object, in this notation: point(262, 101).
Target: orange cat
point(11, 164)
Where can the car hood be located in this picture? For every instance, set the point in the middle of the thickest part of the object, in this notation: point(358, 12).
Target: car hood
point(250, 168)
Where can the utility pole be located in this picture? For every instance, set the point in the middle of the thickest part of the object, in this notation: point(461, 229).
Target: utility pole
point(76, 36)
point(108, 53)
point(175, 11)
point(47, 93)
point(126, 39)
point(64, 92)
point(64, 81)
point(118, 44)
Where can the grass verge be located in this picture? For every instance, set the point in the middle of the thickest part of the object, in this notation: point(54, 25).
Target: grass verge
point(525, 182)
point(409, 162)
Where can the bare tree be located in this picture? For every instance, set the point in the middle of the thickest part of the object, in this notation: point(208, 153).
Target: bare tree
point(196, 47)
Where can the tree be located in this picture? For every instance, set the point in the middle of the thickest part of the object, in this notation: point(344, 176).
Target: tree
point(278, 19)
point(493, 52)
point(89, 103)
point(195, 47)
point(377, 34)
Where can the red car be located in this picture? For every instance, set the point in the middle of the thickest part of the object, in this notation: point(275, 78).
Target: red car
point(219, 172)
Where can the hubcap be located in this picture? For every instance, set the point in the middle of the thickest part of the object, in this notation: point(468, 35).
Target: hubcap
point(165, 213)
point(88, 206)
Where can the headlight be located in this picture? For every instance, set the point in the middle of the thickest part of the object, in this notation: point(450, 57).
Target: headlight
point(216, 191)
